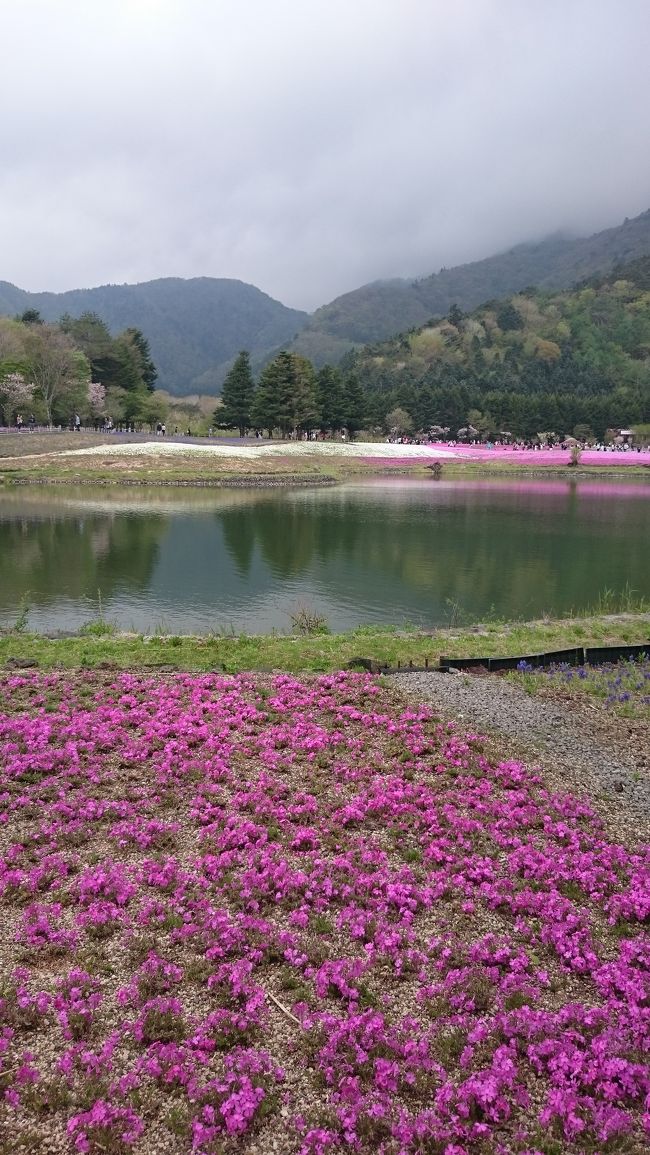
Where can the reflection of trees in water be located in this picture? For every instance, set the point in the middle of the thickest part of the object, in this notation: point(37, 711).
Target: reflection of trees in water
point(506, 555)
point(518, 554)
point(513, 554)
point(239, 536)
point(284, 534)
point(290, 535)
point(76, 555)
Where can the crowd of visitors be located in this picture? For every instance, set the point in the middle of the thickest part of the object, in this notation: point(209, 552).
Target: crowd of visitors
point(618, 444)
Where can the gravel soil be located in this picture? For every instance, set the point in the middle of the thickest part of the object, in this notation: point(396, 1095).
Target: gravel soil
point(579, 746)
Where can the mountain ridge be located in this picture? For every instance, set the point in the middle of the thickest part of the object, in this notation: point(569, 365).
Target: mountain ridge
point(196, 326)
point(379, 310)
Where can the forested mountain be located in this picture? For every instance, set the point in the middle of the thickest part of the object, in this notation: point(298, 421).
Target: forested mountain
point(194, 328)
point(532, 362)
point(379, 310)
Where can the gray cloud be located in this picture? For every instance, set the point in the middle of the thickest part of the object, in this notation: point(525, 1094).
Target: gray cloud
point(309, 146)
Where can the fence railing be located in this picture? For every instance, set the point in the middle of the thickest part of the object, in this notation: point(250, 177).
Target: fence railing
point(572, 656)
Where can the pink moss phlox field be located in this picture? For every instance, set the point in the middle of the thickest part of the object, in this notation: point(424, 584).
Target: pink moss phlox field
point(535, 458)
point(300, 915)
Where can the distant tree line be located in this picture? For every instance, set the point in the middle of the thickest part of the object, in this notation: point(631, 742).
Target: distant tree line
point(54, 372)
point(290, 397)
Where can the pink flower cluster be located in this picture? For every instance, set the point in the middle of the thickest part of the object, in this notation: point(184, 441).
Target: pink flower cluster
point(104, 1121)
point(242, 896)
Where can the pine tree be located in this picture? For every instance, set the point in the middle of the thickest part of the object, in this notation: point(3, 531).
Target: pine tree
point(509, 318)
point(354, 407)
point(264, 407)
point(287, 382)
point(306, 410)
point(237, 396)
point(148, 370)
point(286, 397)
point(331, 401)
point(455, 316)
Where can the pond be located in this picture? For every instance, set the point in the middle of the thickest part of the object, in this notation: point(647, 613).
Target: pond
point(386, 551)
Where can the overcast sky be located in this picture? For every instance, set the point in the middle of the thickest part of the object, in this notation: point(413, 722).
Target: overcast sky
point(309, 146)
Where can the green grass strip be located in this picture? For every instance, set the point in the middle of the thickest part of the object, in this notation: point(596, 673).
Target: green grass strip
point(319, 651)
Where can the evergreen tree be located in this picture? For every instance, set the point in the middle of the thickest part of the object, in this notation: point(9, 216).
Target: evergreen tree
point(455, 316)
point(354, 408)
point(306, 410)
point(508, 318)
point(286, 397)
point(148, 371)
point(264, 406)
point(92, 335)
point(30, 317)
point(273, 399)
point(122, 366)
point(122, 362)
point(237, 396)
point(286, 384)
point(331, 400)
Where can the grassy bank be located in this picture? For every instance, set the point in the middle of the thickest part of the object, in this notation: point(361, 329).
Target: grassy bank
point(50, 468)
point(235, 472)
point(96, 644)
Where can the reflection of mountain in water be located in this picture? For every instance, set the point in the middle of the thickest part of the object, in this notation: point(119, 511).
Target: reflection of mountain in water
point(478, 547)
point(76, 555)
point(380, 551)
point(73, 542)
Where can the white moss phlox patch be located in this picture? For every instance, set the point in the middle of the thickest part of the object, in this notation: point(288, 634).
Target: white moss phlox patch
point(263, 449)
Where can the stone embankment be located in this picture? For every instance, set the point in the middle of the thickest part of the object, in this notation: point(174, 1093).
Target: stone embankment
point(262, 481)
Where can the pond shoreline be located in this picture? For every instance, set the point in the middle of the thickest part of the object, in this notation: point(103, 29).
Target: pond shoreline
point(264, 481)
point(99, 644)
point(456, 471)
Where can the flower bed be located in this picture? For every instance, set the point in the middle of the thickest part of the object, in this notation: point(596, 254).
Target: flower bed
point(386, 452)
point(623, 687)
point(264, 914)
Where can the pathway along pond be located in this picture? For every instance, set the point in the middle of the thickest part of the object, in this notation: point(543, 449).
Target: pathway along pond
point(381, 551)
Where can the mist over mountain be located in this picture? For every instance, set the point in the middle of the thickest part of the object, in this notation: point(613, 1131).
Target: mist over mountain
point(196, 327)
point(379, 310)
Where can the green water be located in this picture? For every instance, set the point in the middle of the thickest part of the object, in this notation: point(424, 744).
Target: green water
point(381, 551)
